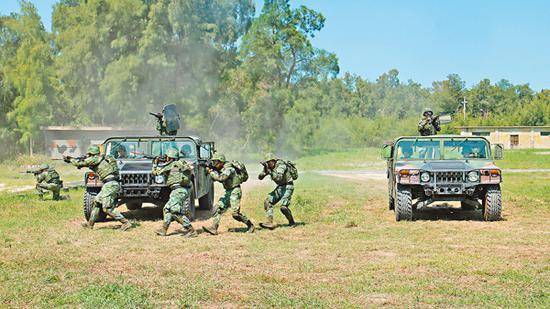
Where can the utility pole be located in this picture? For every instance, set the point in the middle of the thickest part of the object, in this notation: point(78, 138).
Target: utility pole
point(464, 102)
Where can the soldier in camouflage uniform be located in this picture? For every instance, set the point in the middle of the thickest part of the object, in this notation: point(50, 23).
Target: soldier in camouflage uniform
point(279, 172)
point(178, 175)
point(47, 179)
point(225, 173)
point(107, 170)
point(428, 125)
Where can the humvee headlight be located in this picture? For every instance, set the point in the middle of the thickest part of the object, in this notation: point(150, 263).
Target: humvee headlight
point(473, 176)
point(159, 179)
point(425, 177)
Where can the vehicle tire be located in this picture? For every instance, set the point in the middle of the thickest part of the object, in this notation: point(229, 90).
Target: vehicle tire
point(404, 210)
point(206, 202)
point(89, 197)
point(467, 205)
point(192, 208)
point(134, 205)
point(492, 204)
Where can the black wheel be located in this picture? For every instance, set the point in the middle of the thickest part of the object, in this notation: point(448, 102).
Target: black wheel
point(206, 202)
point(404, 210)
point(467, 205)
point(134, 205)
point(89, 197)
point(192, 208)
point(492, 204)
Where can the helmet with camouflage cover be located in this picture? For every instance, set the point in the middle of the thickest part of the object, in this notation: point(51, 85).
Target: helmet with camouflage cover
point(172, 153)
point(43, 166)
point(270, 157)
point(428, 110)
point(219, 157)
point(93, 150)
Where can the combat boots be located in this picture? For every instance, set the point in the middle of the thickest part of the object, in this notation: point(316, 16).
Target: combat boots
point(88, 225)
point(190, 232)
point(212, 230)
point(162, 231)
point(250, 227)
point(288, 215)
point(126, 225)
point(269, 224)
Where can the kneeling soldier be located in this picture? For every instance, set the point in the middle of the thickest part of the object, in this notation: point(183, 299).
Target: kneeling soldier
point(107, 170)
point(47, 179)
point(178, 175)
point(283, 174)
point(229, 176)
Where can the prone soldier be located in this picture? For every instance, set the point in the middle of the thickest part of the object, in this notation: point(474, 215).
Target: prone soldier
point(47, 179)
point(178, 175)
point(283, 173)
point(429, 125)
point(107, 170)
point(231, 177)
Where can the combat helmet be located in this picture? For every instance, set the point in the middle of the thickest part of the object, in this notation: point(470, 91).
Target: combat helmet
point(219, 157)
point(43, 166)
point(93, 150)
point(270, 157)
point(172, 153)
point(428, 110)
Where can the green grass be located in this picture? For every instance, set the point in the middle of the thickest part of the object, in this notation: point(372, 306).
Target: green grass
point(525, 158)
point(348, 251)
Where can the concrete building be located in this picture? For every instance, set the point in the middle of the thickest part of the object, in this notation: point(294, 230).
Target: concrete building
point(512, 137)
point(73, 141)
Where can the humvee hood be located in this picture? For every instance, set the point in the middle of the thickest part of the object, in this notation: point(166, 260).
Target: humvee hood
point(445, 165)
point(133, 166)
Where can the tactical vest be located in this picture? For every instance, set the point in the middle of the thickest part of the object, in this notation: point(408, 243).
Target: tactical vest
point(51, 176)
point(107, 167)
point(233, 180)
point(178, 176)
point(287, 176)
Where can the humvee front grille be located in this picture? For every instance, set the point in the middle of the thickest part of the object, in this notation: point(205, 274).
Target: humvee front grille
point(449, 177)
point(135, 179)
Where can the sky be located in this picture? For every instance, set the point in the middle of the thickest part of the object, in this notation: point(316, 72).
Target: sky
point(426, 40)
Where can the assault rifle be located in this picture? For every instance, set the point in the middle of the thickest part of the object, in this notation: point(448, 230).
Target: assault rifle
point(265, 165)
point(156, 115)
point(67, 159)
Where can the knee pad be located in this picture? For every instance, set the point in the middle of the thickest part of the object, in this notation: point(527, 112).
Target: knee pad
point(237, 216)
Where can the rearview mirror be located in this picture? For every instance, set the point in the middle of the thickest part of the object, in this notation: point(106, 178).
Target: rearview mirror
point(498, 151)
point(386, 152)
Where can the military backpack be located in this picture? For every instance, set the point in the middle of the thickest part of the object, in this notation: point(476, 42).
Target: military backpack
point(292, 169)
point(240, 169)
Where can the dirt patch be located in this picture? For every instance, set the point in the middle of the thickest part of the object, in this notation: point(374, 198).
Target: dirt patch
point(361, 175)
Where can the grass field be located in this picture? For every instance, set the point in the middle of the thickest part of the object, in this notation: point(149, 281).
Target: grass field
point(348, 251)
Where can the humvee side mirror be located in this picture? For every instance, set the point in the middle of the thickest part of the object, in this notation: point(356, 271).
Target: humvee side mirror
point(386, 152)
point(498, 151)
point(205, 150)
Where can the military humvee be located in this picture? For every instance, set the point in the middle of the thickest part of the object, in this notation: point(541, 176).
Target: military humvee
point(134, 157)
point(423, 170)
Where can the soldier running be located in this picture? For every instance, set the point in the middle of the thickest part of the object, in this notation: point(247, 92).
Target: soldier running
point(281, 173)
point(224, 172)
point(47, 179)
point(107, 170)
point(178, 175)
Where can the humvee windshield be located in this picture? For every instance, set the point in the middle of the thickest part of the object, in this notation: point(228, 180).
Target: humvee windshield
point(441, 149)
point(140, 149)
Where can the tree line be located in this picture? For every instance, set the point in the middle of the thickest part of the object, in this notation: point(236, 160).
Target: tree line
point(251, 82)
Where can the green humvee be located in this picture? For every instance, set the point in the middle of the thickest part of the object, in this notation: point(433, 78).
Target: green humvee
point(134, 157)
point(423, 170)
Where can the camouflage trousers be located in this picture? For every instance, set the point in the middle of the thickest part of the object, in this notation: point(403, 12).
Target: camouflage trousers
point(106, 200)
point(282, 194)
point(54, 187)
point(177, 208)
point(230, 200)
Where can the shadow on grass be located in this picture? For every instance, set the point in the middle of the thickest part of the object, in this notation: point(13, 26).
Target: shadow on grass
point(448, 214)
